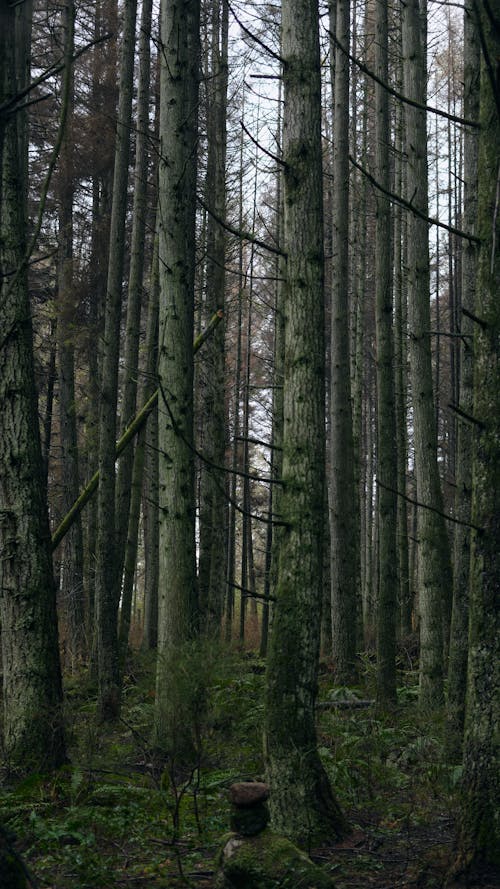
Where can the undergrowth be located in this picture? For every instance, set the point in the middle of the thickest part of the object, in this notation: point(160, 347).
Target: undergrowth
point(119, 817)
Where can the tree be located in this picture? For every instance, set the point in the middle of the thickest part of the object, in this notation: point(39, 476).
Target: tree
point(212, 561)
point(434, 566)
point(179, 83)
point(457, 668)
point(32, 690)
point(386, 413)
point(479, 836)
point(72, 559)
point(108, 581)
point(343, 499)
point(130, 469)
point(302, 804)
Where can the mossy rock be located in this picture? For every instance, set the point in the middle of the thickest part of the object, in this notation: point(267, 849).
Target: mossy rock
point(267, 861)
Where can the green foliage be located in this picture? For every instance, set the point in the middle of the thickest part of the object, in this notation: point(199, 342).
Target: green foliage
point(120, 811)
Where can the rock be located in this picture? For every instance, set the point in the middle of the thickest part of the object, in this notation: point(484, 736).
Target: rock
point(267, 861)
point(248, 793)
point(251, 820)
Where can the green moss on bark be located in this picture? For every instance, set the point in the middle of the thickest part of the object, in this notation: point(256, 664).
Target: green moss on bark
point(268, 861)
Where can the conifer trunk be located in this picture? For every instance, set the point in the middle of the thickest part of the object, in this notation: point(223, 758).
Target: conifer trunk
point(479, 837)
point(457, 670)
point(343, 500)
point(302, 804)
point(107, 580)
point(179, 81)
point(33, 735)
point(386, 443)
point(434, 566)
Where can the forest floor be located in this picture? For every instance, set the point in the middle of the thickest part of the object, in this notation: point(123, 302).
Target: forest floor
point(120, 816)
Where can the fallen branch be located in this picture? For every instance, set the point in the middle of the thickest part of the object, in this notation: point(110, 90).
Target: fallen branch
point(344, 705)
point(129, 434)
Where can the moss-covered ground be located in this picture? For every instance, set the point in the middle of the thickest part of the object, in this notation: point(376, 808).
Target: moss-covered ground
point(121, 815)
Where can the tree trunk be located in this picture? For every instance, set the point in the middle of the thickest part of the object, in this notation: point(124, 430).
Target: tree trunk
point(135, 285)
point(386, 442)
point(107, 580)
point(33, 735)
point(302, 804)
point(212, 563)
point(479, 835)
point(71, 592)
point(343, 500)
point(457, 669)
point(434, 567)
point(179, 82)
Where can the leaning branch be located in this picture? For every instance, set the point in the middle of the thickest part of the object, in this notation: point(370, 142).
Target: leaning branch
point(397, 95)
point(123, 442)
point(397, 199)
point(421, 505)
point(244, 236)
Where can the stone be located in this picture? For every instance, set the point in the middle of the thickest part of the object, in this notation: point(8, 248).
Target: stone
point(250, 820)
point(248, 793)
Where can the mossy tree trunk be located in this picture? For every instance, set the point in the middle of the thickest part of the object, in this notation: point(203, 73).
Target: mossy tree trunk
point(33, 736)
point(386, 408)
point(179, 82)
point(479, 839)
point(434, 563)
point(457, 668)
point(212, 560)
point(343, 498)
point(130, 468)
point(302, 804)
point(124, 483)
point(71, 593)
point(107, 579)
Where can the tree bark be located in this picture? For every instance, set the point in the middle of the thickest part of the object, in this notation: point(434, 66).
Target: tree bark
point(302, 803)
point(343, 500)
point(434, 566)
point(107, 580)
point(71, 591)
point(33, 734)
point(457, 668)
point(386, 443)
point(212, 561)
point(135, 284)
point(479, 835)
point(179, 81)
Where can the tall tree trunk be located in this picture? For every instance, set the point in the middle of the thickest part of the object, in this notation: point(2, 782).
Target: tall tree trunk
point(386, 443)
point(457, 670)
point(71, 592)
point(434, 567)
point(343, 500)
point(273, 531)
point(107, 580)
point(479, 837)
point(302, 804)
point(150, 485)
point(135, 285)
point(104, 98)
point(401, 373)
point(33, 735)
point(179, 81)
point(212, 563)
